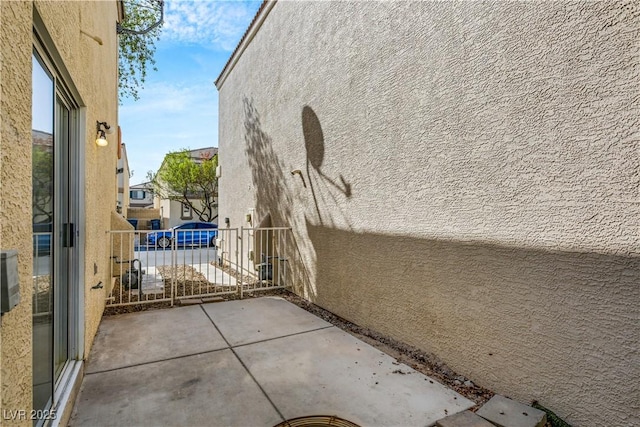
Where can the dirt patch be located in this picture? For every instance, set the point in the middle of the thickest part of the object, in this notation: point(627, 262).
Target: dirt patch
point(189, 283)
point(133, 308)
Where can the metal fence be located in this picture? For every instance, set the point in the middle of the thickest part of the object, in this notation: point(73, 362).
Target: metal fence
point(266, 264)
point(42, 295)
point(170, 265)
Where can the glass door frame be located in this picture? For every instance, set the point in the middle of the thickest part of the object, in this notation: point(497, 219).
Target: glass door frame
point(63, 253)
point(67, 94)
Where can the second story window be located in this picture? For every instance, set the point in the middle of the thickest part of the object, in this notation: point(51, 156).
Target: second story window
point(137, 194)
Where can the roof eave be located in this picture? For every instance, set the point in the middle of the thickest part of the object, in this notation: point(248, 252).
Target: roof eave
point(121, 12)
point(246, 39)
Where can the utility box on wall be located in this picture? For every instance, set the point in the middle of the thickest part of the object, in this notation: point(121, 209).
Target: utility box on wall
point(9, 282)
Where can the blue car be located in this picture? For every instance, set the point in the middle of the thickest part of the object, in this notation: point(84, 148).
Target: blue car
point(187, 234)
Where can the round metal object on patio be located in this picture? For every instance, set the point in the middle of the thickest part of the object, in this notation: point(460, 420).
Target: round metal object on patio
point(317, 421)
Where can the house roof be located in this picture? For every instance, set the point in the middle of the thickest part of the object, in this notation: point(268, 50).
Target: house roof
point(198, 152)
point(121, 13)
point(195, 154)
point(253, 27)
point(43, 139)
point(141, 186)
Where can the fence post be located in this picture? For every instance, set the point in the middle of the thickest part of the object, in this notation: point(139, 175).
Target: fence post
point(241, 286)
point(174, 265)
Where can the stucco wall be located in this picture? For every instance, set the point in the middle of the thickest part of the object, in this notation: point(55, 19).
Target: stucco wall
point(92, 70)
point(144, 216)
point(15, 198)
point(123, 180)
point(471, 182)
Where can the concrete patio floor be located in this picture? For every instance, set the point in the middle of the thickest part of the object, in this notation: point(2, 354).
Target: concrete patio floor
point(253, 362)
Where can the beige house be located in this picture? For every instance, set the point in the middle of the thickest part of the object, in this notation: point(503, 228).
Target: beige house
point(123, 173)
point(462, 177)
point(174, 212)
point(141, 196)
point(59, 88)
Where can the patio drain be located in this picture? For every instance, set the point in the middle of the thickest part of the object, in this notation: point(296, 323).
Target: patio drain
point(317, 421)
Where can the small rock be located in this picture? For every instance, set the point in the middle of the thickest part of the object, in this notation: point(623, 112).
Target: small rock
point(446, 371)
point(468, 383)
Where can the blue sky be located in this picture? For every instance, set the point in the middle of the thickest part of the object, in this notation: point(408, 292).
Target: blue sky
point(178, 107)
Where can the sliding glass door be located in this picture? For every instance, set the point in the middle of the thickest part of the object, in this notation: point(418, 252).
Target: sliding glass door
point(54, 251)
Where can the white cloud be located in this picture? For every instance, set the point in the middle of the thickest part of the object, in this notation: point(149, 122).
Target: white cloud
point(216, 24)
point(164, 97)
point(178, 107)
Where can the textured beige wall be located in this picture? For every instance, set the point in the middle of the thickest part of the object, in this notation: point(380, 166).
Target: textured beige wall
point(15, 195)
point(143, 213)
point(472, 182)
point(123, 180)
point(144, 216)
point(93, 71)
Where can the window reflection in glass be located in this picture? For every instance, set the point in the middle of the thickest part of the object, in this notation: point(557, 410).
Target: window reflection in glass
point(43, 205)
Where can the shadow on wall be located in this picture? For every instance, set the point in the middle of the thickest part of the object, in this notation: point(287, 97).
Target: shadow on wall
point(315, 149)
point(273, 201)
point(529, 323)
point(266, 170)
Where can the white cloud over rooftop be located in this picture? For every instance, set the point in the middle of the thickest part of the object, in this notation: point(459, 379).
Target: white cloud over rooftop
point(217, 24)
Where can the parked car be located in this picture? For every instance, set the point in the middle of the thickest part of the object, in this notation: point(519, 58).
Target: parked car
point(187, 234)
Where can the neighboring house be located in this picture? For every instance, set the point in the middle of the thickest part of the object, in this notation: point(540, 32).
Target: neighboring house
point(141, 196)
point(468, 181)
point(59, 79)
point(123, 173)
point(42, 196)
point(174, 212)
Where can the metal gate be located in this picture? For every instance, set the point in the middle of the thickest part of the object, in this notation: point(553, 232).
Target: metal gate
point(171, 265)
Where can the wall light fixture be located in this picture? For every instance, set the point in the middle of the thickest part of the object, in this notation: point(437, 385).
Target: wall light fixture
point(102, 128)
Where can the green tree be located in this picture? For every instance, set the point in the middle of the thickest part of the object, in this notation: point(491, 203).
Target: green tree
point(42, 180)
point(191, 181)
point(138, 33)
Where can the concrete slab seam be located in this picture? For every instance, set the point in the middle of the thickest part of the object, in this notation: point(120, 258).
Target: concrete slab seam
point(133, 365)
point(282, 336)
point(258, 384)
point(244, 366)
point(215, 326)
